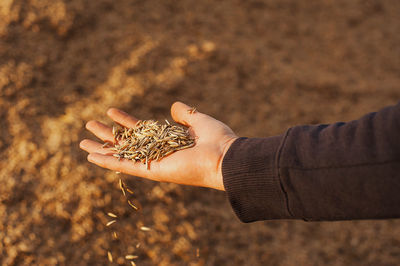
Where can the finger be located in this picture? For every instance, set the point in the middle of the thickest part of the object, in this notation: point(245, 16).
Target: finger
point(121, 117)
point(123, 165)
point(101, 131)
point(184, 114)
point(94, 147)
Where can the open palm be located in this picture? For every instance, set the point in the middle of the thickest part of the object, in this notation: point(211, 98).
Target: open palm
point(197, 166)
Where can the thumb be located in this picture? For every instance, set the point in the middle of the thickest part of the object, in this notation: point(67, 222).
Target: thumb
point(184, 114)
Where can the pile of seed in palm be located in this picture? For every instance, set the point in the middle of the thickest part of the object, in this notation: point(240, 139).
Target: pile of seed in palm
point(149, 140)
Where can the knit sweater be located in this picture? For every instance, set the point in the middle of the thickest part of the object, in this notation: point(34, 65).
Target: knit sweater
point(339, 171)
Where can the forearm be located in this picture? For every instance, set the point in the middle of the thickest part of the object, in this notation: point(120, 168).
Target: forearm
point(324, 172)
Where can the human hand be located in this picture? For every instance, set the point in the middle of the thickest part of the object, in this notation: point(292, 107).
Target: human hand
point(200, 165)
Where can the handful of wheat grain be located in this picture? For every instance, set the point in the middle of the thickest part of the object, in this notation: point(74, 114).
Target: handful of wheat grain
point(149, 141)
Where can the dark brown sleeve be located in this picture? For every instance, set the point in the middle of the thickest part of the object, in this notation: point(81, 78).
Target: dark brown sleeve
point(324, 172)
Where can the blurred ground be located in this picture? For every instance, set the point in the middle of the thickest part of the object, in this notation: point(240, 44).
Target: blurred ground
point(259, 66)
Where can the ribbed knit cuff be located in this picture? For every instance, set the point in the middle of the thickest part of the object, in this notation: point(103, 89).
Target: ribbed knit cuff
point(251, 179)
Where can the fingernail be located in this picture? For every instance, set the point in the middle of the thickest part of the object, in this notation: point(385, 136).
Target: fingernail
point(81, 144)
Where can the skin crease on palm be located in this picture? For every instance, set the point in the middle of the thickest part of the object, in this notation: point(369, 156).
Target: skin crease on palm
point(200, 165)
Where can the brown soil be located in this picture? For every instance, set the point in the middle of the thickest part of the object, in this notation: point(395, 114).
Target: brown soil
point(259, 66)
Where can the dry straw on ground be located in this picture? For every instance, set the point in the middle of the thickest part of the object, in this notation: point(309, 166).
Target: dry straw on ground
point(149, 141)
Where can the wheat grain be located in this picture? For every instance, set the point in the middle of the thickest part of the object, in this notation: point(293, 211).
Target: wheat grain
point(192, 110)
point(111, 222)
point(132, 205)
point(122, 185)
point(106, 144)
point(112, 215)
point(109, 255)
point(149, 141)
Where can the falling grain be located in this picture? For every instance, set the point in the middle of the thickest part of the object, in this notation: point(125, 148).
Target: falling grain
point(111, 222)
point(132, 263)
point(144, 228)
point(121, 185)
point(131, 257)
point(132, 205)
point(130, 191)
point(110, 258)
point(112, 215)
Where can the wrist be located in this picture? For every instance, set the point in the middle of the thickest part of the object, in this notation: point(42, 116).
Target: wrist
point(219, 183)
